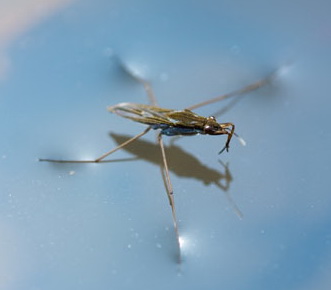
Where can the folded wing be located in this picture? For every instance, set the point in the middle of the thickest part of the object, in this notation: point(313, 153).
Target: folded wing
point(156, 116)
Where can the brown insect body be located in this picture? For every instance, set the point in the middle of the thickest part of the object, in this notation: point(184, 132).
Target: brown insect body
point(173, 122)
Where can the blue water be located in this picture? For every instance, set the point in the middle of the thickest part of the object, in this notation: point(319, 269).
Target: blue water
point(109, 226)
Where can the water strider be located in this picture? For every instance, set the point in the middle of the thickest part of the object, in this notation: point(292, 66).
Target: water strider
point(170, 122)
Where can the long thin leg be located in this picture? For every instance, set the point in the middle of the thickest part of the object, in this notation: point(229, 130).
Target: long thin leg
point(149, 91)
point(230, 133)
point(102, 156)
point(164, 169)
point(246, 89)
point(168, 185)
point(147, 86)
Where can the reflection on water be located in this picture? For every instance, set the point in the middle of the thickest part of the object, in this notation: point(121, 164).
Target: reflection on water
point(181, 163)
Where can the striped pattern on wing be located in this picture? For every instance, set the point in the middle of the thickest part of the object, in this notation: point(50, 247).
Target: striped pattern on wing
point(151, 115)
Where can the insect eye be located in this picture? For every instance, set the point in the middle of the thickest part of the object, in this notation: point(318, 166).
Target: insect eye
point(210, 128)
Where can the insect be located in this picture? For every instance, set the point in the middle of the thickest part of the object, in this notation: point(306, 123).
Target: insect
point(170, 122)
point(174, 122)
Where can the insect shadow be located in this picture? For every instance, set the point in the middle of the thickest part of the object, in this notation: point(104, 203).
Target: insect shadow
point(181, 164)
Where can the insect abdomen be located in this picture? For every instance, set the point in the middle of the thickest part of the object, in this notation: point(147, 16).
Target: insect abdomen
point(173, 131)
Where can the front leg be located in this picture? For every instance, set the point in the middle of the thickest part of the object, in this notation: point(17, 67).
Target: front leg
point(226, 127)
